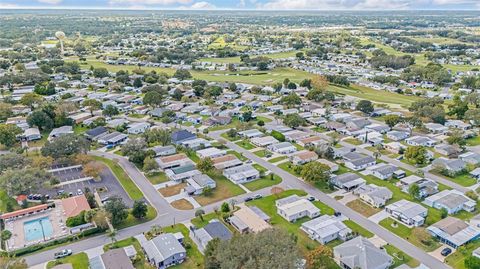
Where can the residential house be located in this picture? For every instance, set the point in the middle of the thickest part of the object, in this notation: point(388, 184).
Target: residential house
point(454, 232)
point(458, 124)
point(360, 253)
point(394, 147)
point(452, 200)
point(250, 133)
point(219, 120)
point(450, 166)
point(196, 143)
point(397, 135)
point(225, 162)
point(246, 220)
point(138, 127)
point(164, 250)
point(312, 141)
point(173, 161)
point(96, 132)
point(410, 213)
point(263, 141)
point(111, 139)
point(181, 136)
point(215, 229)
point(303, 157)
point(420, 141)
point(347, 181)
point(30, 134)
point(426, 186)
point(448, 150)
point(374, 195)
point(326, 228)
point(241, 174)
point(333, 166)
point(386, 171)
point(436, 128)
point(211, 153)
point(295, 135)
point(197, 183)
point(164, 151)
point(182, 173)
point(112, 259)
point(293, 208)
point(470, 157)
point(357, 161)
point(282, 148)
point(64, 130)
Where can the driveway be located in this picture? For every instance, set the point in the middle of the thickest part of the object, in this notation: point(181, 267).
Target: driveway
point(379, 216)
point(437, 253)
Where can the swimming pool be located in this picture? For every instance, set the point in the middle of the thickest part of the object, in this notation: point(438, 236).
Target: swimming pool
point(37, 229)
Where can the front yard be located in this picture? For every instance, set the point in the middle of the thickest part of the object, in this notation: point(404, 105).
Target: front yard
point(78, 261)
point(224, 190)
point(363, 208)
point(245, 144)
point(406, 233)
point(263, 182)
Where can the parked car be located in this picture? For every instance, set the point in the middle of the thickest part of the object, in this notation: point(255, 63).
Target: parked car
point(257, 196)
point(446, 251)
point(79, 192)
point(311, 198)
point(248, 199)
point(337, 214)
point(62, 254)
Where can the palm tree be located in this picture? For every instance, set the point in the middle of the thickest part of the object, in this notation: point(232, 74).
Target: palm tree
point(112, 234)
point(199, 213)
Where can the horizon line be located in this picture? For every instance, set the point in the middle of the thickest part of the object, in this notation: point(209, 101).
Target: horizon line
point(214, 9)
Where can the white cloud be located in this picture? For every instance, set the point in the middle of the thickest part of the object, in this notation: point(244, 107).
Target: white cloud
point(340, 4)
point(8, 6)
point(149, 2)
point(51, 2)
point(202, 5)
point(454, 2)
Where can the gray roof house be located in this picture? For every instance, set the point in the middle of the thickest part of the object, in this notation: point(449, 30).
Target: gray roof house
point(214, 229)
point(347, 181)
point(374, 195)
point(182, 135)
point(409, 213)
point(357, 161)
point(326, 228)
point(197, 183)
point(454, 232)
point(241, 174)
point(112, 259)
point(452, 166)
point(397, 135)
point(385, 171)
point(164, 250)
point(470, 157)
point(164, 151)
point(452, 200)
point(362, 254)
point(427, 186)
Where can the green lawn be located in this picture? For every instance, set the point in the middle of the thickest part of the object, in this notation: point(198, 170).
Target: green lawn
point(457, 259)
point(400, 257)
point(474, 141)
point(156, 177)
point(263, 182)
point(245, 144)
point(262, 153)
point(140, 262)
point(238, 155)
point(224, 190)
point(78, 261)
point(195, 258)
point(353, 141)
point(277, 159)
point(225, 135)
point(359, 229)
point(132, 221)
point(406, 233)
point(464, 180)
point(278, 55)
point(132, 190)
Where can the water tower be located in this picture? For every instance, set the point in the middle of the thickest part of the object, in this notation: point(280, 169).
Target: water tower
point(60, 36)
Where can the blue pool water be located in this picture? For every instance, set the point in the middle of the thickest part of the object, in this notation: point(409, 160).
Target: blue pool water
point(37, 229)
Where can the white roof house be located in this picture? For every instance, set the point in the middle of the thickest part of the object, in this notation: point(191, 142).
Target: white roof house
point(164, 250)
point(452, 200)
point(282, 148)
point(241, 174)
point(251, 133)
point(263, 141)
point(293, 208)
point(211, 153)
point(410, 213)
point(373, 194)
point(67, 129)
point(326, 228)
point(138, 127)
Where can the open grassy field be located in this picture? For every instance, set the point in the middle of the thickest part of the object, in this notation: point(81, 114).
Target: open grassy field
point(156, 177)
point(220, 43)
point(278, 55)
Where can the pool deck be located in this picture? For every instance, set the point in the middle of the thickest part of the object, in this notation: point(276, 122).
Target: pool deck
point(16, 227)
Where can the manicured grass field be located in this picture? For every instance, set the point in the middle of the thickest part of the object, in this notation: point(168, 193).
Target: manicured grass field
point(238, 155)
point(279, 55)
point(263, 182)
point(400, 257)
point(359, 229)
point(245, 144)
point(78, 261)
point(474, 141)
point(464, 180)
point(132, 190)
point(277, 159)
point(363, 208)
point(353, 141)
point(406, 233)
point(224, 190)
point(262, 153)
point(156, 177)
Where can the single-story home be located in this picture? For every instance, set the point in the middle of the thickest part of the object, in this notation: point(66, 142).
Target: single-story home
point(246, 220)
point(452, 200)
point(293, 208)
point(225, 162)
point(197, 183)
point(360, 253)
point(426, 186)
point(373, 195)
point(215, 229)
point(211, 153)
point(164, 250)
point(303, 157)
point(454, 232)
point(241, 174)
point(263, 141)
point(282, 148)
point(164, 151)
point(173, 161)
point(326, 228)
point(347, 181)
point(410, 213)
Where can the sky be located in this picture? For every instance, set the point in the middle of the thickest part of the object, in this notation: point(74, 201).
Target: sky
point(248, 4)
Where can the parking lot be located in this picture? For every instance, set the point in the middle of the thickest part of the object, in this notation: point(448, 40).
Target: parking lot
point(108, 186)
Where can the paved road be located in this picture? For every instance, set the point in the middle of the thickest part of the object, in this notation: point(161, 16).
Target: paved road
point(166, 214)
point(294, 183)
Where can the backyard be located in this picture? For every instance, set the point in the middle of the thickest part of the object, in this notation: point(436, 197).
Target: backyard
point(224, 190)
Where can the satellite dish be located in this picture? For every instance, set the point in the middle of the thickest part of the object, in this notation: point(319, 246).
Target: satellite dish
point(60, 36)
